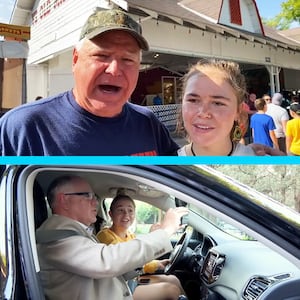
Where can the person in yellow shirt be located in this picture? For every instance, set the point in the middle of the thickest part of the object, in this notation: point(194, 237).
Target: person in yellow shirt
point(150, 286)
point(293, 130)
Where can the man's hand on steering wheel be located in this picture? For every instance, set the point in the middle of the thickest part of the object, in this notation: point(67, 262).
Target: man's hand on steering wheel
point(163, 263)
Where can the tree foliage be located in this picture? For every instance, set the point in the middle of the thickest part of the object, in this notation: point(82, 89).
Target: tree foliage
point(290, 12)
point(146, 213)
point(277, 23)
point(280, 182)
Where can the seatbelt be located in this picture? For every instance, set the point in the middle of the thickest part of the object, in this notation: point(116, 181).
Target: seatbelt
point(52, 235)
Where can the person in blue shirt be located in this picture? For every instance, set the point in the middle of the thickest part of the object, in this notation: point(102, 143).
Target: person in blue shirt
point(263, 126)
point(157, 100)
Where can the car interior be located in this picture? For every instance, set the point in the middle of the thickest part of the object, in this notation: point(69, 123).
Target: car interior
point(214, 257)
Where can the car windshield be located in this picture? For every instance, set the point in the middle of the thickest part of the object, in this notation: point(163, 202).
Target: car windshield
point(252, 195)
point(221, 224)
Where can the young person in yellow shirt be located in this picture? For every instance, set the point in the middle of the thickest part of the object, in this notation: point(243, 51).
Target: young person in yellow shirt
point(159, 286)
point(293, 130)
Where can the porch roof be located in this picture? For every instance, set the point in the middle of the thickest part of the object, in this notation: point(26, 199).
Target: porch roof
point(172, 11)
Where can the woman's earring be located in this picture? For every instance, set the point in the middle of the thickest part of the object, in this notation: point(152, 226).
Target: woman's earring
point(237, 133)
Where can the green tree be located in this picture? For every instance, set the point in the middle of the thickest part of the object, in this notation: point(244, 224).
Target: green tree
point(290, 12)
point(146, 213)
point(277, 23)
point(280, 182)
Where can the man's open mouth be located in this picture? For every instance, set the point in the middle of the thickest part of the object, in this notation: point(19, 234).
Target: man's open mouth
point(110, 88)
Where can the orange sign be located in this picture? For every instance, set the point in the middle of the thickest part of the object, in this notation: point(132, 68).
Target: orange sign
point(15, 31)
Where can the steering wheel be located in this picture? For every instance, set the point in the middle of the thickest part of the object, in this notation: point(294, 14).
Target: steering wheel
point(177, 252)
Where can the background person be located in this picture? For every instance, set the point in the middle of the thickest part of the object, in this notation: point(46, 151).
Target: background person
point(294, 98)
point(157, 100)
point(122, 213)
point(263, 126)
point(293, 130)
point(251, 103)
point(77, 266)
point(252, 110)
point(95, 117)
point(243, 122)
point(280, 117)
point(267, 98)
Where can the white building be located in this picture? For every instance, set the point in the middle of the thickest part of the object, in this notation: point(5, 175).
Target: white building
point(178, 32)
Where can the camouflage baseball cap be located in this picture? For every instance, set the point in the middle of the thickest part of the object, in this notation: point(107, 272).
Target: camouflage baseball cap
point(108, 20)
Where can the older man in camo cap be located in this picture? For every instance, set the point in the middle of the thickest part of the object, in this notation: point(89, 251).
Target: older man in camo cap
point(95, 117)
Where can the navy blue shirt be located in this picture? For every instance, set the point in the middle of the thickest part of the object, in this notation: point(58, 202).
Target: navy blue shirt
point(59, 126)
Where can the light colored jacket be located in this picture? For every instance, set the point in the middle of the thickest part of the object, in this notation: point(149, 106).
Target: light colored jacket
point(80, 268)
point(280, 117)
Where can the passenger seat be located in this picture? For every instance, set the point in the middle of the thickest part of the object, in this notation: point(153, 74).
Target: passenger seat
point(40, 205)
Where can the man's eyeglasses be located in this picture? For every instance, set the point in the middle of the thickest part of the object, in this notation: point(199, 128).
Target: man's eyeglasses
point(88, 195)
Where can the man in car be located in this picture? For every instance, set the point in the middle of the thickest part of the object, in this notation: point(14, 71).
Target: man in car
point(95, 117)
point(74, 265)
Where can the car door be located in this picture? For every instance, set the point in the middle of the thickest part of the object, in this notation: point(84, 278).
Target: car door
point(12, 283)
point(19, 278)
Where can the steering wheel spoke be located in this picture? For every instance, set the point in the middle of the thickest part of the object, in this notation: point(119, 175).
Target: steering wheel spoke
point(177, 252)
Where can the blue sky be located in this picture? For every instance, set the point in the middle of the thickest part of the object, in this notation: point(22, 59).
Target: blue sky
point(267, 8)
point(6, 7)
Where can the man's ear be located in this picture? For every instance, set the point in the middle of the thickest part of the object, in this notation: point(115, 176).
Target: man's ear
point(63, 201)
point(74, 57)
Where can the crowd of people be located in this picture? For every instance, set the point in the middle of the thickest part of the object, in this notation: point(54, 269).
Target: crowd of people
point(275, 124)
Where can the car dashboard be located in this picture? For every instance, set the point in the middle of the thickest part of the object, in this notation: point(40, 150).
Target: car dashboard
point(240, 269)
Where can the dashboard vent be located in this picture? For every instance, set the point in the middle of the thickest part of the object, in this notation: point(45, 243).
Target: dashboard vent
point(212, 266)
point(255, 288)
